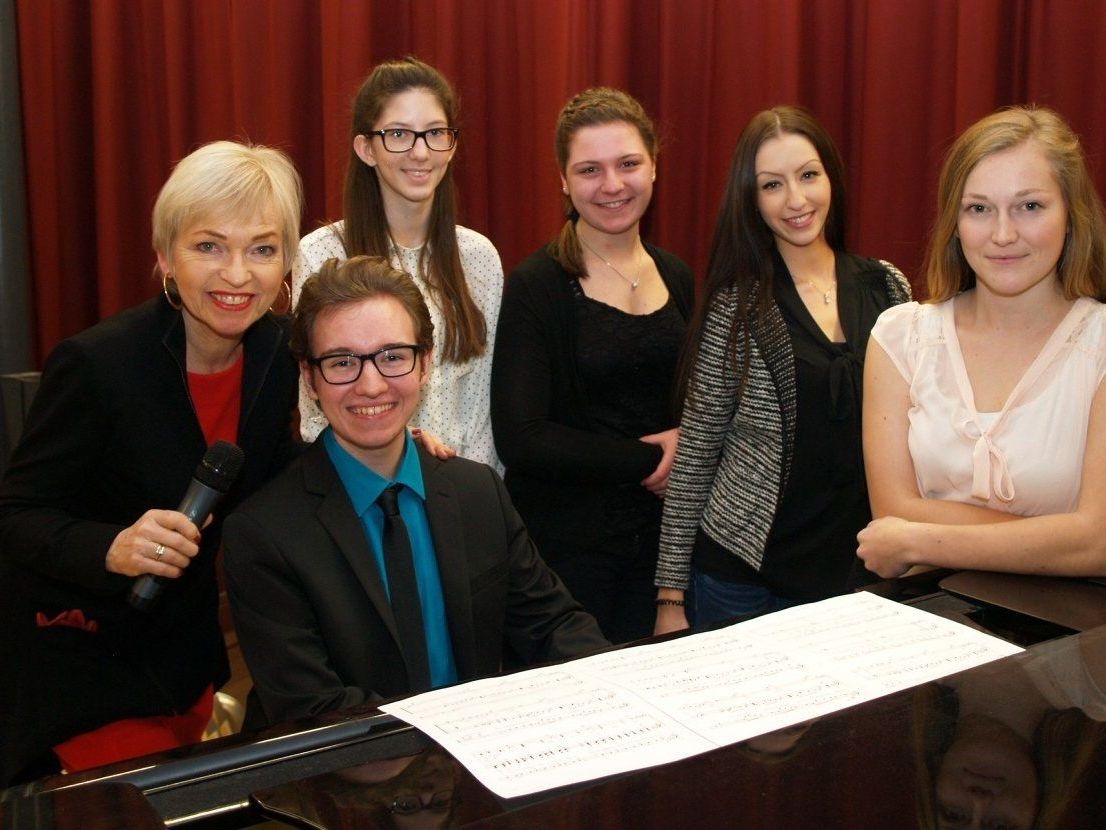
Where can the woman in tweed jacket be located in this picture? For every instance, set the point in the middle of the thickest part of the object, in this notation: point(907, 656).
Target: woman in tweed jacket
point(767, 490)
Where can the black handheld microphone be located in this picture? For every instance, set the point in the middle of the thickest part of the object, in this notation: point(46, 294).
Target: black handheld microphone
point(212, 480)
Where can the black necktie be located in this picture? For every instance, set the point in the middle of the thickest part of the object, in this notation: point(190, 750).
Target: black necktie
point(404, 590)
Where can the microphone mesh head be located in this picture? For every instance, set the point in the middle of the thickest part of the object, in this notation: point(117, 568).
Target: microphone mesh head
point(220, 466)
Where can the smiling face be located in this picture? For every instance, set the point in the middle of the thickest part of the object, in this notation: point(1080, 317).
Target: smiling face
point(413, 176)
point(1013, 221)
point(228, 271)
point(793, 190)
point(369, 416)
point(609, 176)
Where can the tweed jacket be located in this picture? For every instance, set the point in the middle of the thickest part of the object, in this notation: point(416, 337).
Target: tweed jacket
point(734, 455)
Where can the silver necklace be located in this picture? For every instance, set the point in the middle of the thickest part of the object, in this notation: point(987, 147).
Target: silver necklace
point(632, 283)
point(825, 294)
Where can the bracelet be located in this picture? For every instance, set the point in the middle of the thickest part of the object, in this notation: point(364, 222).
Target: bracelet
point(679, 602)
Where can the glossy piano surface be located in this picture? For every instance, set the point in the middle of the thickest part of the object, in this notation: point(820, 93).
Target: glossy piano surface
point(1019, 743)
point(107, 806)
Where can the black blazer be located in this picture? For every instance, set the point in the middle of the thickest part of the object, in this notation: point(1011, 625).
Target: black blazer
point(310, 607)
point(112, 433)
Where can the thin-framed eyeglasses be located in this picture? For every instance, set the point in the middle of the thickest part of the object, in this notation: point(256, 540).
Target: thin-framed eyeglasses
point(398, 140)
point(411, 803)
point(344, 367)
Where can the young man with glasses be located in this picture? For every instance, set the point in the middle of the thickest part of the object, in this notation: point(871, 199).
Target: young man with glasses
point(370, 569)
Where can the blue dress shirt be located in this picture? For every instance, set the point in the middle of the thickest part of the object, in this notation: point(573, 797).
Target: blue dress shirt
point(364, 487)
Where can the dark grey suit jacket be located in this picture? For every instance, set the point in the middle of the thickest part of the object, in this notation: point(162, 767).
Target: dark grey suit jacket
point(311, 610)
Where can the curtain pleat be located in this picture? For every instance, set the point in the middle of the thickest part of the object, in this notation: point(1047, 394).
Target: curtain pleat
point(114, 91)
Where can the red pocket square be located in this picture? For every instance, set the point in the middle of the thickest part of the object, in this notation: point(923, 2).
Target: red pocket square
point(74, 619)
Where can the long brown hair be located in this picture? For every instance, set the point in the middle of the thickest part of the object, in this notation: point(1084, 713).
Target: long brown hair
point(592, 108)
point(743, 249)
point(366, 224)
point(1082, 264)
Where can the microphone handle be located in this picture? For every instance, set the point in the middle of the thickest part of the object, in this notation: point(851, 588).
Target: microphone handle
point(197, 505)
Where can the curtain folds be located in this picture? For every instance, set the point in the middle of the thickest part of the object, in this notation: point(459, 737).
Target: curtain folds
point(114, 91)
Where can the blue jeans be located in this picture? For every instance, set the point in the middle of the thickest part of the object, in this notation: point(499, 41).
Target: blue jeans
point(712, 600)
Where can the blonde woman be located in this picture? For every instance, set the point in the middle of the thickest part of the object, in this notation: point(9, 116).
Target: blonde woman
point(985, 416)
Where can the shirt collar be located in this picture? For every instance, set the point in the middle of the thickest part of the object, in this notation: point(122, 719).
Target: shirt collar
point(363, 485)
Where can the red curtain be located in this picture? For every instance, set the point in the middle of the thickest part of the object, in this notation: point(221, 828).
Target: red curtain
point(114, 91)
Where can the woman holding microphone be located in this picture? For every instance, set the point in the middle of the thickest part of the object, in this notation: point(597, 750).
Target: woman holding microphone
point(124, 412)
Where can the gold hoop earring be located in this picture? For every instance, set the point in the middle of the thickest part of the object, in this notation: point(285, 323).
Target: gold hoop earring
point(286, 306)
point(171, 297)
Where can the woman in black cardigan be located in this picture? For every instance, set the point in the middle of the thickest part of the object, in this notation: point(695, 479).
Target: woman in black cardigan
point(585, 355)
point(123, 415)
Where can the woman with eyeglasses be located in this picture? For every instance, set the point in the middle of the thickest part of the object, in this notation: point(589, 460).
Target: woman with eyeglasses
point(582, 381)
point(767, 490)
point(400, 204)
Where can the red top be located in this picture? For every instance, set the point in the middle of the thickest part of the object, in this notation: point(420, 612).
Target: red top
point(217, 398)
point(218, 401)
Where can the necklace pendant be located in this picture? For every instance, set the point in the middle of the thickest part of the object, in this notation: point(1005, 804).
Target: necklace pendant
point(826, 298)
point(634, 285)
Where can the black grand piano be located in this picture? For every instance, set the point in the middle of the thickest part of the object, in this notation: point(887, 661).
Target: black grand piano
point(1018, 743)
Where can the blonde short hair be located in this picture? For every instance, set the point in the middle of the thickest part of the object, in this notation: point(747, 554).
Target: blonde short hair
point(229, 178)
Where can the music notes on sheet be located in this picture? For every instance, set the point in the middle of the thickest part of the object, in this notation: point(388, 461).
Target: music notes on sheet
point(637, 707)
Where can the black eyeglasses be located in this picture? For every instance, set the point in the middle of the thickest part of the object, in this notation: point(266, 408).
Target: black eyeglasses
point(392, 362)
point(409, 804)
point(401, 141)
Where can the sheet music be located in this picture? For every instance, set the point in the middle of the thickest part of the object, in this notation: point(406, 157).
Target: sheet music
point(549, 725)
point(652, 704)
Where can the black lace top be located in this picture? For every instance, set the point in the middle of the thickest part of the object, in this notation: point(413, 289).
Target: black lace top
point(627, 363)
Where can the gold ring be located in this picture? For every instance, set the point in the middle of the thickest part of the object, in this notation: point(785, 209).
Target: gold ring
point(159, 552)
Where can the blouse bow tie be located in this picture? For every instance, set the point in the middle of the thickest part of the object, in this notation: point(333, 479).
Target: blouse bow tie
point(990, 472)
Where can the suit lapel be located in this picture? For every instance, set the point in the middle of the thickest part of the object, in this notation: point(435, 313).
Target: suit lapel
point(260, 349)
point(336, 515)
point(446, 522)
